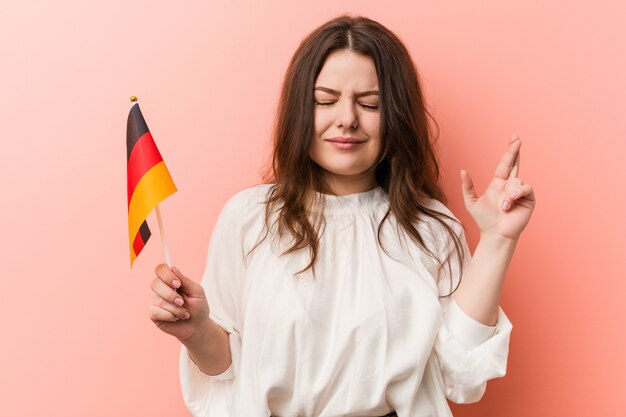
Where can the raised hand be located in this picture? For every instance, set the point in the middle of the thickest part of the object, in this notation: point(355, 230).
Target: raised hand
point(180, 306)
point(507, 204)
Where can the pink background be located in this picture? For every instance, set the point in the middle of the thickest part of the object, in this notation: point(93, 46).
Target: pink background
point(76, 338)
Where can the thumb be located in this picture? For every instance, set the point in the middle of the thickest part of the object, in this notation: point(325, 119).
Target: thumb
point(187, 285)
point(467, 186)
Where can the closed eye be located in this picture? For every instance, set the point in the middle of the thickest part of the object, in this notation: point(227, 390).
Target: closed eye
point(329, 103)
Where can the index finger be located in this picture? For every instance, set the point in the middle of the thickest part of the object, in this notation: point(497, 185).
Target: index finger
point(166, 275)
point(507, 163)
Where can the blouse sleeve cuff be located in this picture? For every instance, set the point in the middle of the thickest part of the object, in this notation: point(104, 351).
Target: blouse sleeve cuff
point(469, 331)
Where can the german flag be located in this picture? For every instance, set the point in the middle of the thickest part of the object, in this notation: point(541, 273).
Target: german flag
point(149, 181)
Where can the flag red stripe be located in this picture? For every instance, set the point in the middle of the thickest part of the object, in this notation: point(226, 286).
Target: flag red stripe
point(138, 244)
point(144, 156)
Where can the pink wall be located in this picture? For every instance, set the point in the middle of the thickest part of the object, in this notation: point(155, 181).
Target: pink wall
point(76, 335)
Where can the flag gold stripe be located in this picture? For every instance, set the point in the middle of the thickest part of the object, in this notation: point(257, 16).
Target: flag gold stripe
point(152, 188)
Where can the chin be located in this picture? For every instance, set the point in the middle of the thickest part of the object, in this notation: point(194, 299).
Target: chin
point(345, 171)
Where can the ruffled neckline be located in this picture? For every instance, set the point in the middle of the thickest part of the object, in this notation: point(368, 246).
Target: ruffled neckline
point(364, 201)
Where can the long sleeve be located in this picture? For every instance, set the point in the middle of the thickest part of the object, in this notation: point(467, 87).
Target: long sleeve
point(469, 353)
point(207, 395)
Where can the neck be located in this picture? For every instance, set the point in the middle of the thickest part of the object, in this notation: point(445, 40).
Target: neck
point(344, 185)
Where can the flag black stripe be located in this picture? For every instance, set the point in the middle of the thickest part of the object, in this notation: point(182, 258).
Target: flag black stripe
point(144, 231)
point(135, 128)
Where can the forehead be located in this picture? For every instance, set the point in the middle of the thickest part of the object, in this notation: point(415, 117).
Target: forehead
point(345, 70)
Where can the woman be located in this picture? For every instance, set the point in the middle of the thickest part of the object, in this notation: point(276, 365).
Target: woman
point(334, 288)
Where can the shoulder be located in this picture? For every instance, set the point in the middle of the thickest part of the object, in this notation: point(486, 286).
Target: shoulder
point(437, 205)
point(446, 215)
point(248, 198)
point(245, 208)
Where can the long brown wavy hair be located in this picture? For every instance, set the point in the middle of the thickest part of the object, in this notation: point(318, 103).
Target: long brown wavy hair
point(406, 167)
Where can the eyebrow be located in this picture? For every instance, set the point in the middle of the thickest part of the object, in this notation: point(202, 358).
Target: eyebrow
point(338, 93)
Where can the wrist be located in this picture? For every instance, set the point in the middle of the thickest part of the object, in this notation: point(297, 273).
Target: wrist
point(498, 240)
point(203, 333)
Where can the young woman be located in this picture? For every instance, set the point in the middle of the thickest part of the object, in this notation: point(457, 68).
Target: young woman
point(334, 288)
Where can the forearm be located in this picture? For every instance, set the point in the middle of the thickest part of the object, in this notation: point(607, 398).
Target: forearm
point(479, 293)
point(209, 348)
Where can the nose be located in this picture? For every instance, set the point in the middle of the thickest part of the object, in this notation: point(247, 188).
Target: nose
point(347, 116)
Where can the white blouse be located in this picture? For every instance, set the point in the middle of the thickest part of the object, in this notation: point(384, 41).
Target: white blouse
point(368, 335)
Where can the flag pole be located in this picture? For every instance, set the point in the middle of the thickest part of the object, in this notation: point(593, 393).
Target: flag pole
point(162, 232)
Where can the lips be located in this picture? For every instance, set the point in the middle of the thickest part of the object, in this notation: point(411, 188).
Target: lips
point(345, 143)
point(345, 140)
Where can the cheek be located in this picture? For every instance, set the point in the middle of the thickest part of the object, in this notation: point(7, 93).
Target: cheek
point(371, 125)
point(321, 122)
point(372, 150)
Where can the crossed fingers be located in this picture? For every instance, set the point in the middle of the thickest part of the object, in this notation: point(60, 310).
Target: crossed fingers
point(509, 164)
point(508, 169)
